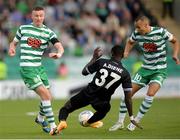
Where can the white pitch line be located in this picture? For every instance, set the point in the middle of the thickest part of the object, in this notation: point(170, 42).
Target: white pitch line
point(56, 113)
point(31, 113)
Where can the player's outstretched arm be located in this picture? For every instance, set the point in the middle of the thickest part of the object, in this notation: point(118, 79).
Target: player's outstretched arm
point(175, 46)
point(60, 51)
point(128, 47)
point(128, 102)
point(97, 54)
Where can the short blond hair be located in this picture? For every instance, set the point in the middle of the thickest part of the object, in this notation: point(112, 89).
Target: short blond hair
point(143, 18)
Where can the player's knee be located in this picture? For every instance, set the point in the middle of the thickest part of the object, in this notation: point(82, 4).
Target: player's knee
point(68, 106)
point(49, 97)
point(107, 107)
point(103, 107)
point(43, 92)
point(151, 93)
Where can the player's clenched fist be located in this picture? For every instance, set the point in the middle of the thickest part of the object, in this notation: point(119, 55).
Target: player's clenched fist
point(12, 51)
point(55, 55)
point(176, 59)
point(97, 53)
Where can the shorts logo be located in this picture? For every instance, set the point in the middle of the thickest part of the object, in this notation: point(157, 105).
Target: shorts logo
point(27, 85)
point(137, 77)
point(155, 38)
point(160, 78)
point(34, 43)
point(36, 80)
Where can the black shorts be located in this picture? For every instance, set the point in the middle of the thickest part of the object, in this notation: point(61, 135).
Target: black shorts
point(82, 99)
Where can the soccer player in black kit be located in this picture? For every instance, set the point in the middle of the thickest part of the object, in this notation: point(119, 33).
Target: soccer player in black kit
point(109, 75)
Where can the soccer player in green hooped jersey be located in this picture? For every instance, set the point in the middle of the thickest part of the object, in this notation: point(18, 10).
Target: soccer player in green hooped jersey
point(153, 71)
point(33, 40)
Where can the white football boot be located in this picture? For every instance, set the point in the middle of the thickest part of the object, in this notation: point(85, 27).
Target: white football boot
point(131, 127)
point(117, 126)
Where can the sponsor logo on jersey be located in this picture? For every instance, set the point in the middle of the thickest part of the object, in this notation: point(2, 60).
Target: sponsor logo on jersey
point(150, 47)
point(34, 43)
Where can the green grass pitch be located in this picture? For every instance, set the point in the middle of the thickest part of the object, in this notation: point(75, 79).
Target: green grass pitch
point(162, 121)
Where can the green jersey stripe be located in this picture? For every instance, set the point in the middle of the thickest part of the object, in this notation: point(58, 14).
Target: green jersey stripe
point(155, 61)
point(33, 55)
point(35, 29)
point(32, 60)
point(30, 64)
point(160, 56)
point(154, 67)
point(154, 55)
point(149, 39)
point(29, 57)
point(18, 35)
point(158, 63)
point(156, 31)
point(30, 48)
point(17, 38)
point(31, 51)
point(163, 47)
point(37, 36)
point(43, 27)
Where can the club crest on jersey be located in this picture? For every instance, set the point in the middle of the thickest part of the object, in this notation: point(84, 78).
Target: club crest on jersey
point(155, 38)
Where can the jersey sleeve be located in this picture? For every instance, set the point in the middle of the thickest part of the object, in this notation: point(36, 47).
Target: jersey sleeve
point(126, 82)
point(94, 67)
point(52, 35)
point(18, 35)
point(167, 35)
point(133, 37)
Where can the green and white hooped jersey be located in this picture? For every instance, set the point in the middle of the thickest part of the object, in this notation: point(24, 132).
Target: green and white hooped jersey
point(154, 46)
point(33, 41)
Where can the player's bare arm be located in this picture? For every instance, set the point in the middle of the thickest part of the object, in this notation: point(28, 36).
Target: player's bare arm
point(128, 47)
point(97, 54)
point(12, 48)
point(59, 53)
point(175, 46)
point(128, 101)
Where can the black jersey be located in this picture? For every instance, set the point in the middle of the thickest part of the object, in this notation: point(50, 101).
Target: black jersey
point(109, 75)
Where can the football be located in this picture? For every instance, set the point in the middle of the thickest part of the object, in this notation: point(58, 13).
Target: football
point(84, 116)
